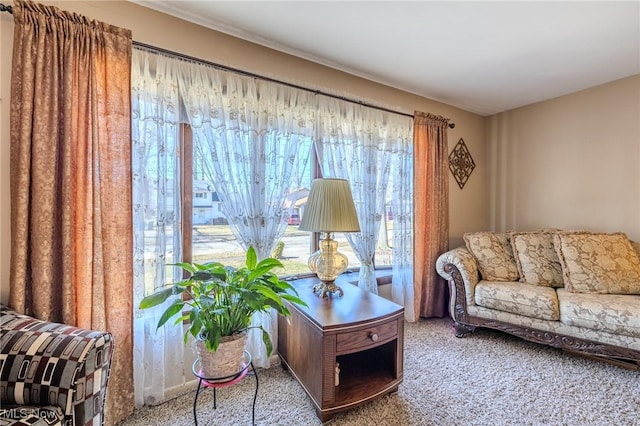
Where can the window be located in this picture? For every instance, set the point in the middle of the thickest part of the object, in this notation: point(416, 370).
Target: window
point(245, 144)
point(383, 256)
point(216, 241)
point(220, 159)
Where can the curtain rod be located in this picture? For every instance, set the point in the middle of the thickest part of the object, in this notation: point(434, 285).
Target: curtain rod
point(272, 80)
point(9, 9)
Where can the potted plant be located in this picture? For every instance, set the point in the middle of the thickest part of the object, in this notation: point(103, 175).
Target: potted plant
point(218, 302)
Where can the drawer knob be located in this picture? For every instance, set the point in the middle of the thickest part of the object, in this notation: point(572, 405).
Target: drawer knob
point(374, 337)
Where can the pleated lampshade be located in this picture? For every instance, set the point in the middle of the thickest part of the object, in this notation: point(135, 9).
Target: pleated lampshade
point(330, 207)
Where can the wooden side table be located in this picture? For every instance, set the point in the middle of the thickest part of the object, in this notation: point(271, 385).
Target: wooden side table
point(221, 382)
point(345, 350)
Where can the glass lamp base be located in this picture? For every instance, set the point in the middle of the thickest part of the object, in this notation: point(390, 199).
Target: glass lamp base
point(325, 289)
point(328, 263)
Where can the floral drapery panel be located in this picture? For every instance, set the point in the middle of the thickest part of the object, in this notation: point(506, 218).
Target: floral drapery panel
point(431, 219)
point(70, 179)
point(365, 146)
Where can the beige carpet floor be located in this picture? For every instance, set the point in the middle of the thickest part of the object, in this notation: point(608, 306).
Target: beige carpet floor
point(486, 378)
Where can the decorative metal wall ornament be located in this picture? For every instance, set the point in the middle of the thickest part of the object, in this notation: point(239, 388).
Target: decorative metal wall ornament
point(460, 163)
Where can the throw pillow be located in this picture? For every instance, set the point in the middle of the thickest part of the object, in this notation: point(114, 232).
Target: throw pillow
point(492, 251)
point(598, 263)
point(536, 258)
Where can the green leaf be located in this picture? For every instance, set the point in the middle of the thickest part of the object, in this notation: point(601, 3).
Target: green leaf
point(267, 341)
point(219, 274)
point(271, 262)
point(294, 299)
point(180, 286)
point(172, 310)
point(207, 301)
point(255, 301)
point(252, 258)
point(201, 276)
point(181, 318)
point(213, 339)
point(261, 269)
point(156, 298)
point(210, 266)
point(196, 326)
point(277, 305)
point(186, 266)
point(284, 285)
point(267, 292)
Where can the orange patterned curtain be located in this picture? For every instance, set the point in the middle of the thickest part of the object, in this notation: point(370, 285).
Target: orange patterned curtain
point(71, 238)
point(431, 207)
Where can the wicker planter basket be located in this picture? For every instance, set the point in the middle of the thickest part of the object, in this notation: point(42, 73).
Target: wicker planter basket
point(225, 361)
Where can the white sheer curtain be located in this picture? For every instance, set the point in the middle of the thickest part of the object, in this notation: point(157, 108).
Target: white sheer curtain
point(364, 146)
point(253, 137)
point(158, 355)
point(402, 291)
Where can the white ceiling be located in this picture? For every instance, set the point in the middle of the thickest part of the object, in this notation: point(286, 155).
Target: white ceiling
point(484, 57)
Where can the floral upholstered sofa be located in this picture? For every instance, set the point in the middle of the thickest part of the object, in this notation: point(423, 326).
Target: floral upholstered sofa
point(574, 290)
point(51, 374)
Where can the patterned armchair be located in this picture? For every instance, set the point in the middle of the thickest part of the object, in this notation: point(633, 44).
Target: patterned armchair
point(51, 374)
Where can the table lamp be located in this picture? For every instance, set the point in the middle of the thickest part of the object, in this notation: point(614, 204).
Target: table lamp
point(329, 209)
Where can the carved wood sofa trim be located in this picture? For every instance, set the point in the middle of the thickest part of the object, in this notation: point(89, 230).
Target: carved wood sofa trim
point(465, 324)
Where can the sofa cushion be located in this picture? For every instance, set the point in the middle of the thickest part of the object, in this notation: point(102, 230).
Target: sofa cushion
point(598, 263)
point(492, 251)
point(530, 300)
point(536, 258)
point(612, 313)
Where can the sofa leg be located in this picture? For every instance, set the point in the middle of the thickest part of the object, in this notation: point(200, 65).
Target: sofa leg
point(463, 329)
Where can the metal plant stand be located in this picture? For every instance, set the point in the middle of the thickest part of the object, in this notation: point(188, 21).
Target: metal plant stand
point(221, 382)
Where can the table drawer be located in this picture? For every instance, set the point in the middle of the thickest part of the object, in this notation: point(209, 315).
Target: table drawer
point(366, 337)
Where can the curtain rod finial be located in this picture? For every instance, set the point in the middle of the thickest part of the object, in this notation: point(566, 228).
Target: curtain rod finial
point(452, 125)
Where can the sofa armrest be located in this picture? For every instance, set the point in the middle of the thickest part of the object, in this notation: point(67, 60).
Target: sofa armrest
point(459, 260)
point(49, 364)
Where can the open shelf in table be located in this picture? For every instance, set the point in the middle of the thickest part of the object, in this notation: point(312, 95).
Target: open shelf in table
point(366, 373)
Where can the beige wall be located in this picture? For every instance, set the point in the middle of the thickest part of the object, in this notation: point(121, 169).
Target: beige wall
point(468, 207)
point(572, 162)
